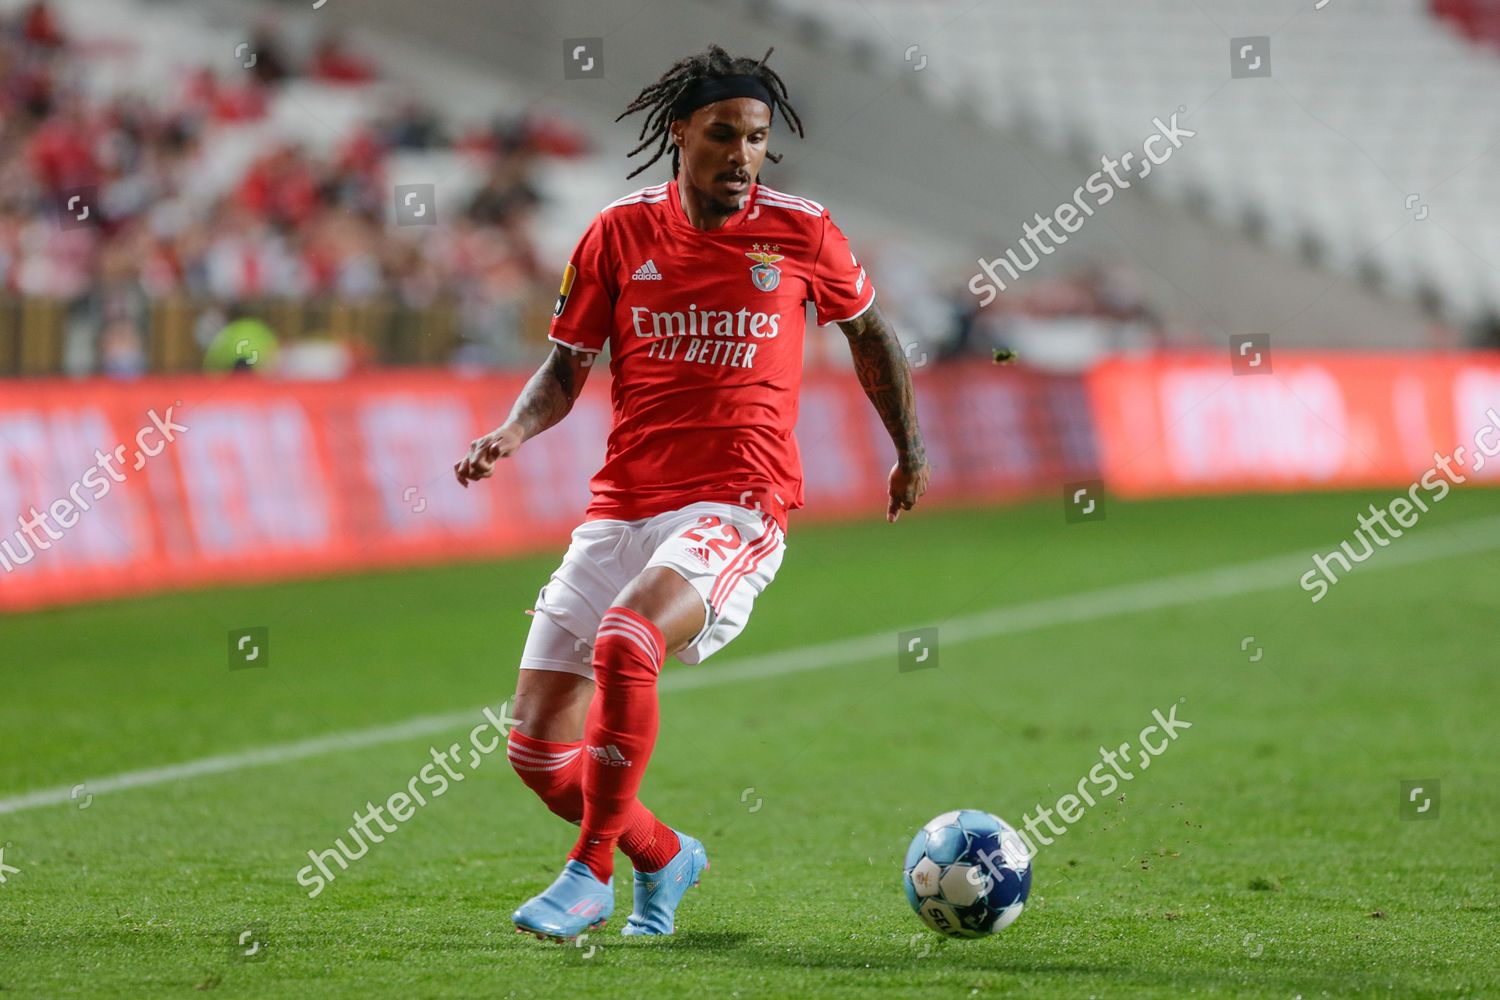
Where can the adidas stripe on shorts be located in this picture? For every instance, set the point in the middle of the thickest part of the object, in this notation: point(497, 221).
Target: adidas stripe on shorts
point(728, 553)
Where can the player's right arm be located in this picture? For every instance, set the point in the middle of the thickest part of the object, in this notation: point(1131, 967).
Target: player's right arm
point(547, 398)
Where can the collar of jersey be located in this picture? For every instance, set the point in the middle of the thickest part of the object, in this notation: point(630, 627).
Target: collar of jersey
point(735, 221)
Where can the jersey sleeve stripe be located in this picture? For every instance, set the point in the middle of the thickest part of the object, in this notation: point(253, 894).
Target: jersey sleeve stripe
point(790, 206)
point(650, 195)
point(575, 347)
point(633, 201)
point(772, 192)
point(862, 309)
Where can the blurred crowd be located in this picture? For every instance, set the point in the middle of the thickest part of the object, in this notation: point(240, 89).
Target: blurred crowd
point(1062, 322)
point(296, 225)
point(292, 225)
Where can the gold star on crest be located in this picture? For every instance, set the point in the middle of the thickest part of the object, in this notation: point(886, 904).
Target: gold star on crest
point(765, 253)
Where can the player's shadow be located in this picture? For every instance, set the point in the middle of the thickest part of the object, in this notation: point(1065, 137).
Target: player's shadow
point(700, 940)
point(905, 961)
point(811, 957)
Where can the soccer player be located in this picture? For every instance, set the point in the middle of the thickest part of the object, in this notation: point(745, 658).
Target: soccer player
point(698, 284)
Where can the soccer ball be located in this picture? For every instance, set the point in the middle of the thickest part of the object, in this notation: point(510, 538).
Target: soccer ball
point(967, 874)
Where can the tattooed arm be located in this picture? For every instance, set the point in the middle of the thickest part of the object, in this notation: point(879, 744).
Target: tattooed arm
point(881, 367)
point(547, 398)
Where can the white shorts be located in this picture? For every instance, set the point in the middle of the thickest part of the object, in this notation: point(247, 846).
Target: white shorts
point(728, 553)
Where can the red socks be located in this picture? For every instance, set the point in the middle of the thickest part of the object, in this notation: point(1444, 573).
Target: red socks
point(555, 772)
point(552, 770)
point(619, 734)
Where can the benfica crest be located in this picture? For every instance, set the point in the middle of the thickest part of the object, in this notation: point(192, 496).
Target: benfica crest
point(765, 274)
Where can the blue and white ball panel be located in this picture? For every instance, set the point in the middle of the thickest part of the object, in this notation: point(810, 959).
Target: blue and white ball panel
point(1007, 883)
point(946, 819)
point(911, 894)
point(942, 917)
point(975, 821)
point(962, 884)
point(1014, 850)
point(1007, 917)
point(925, 876)
point(947, 844)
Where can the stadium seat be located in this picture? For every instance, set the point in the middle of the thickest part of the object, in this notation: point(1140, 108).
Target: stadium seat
point(1353, 138)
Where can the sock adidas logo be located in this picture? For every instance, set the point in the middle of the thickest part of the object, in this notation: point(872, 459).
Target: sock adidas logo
point(610, 755)
point(647, 272)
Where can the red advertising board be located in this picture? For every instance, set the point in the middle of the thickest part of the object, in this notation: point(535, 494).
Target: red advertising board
point(1175, 424)
point(110, 489)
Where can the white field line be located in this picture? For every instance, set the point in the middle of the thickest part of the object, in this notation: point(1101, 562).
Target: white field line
point(1479, 535)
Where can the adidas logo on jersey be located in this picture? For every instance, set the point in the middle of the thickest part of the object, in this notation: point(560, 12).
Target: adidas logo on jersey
point(610, 755)
point(646, 272)
point(699, 553)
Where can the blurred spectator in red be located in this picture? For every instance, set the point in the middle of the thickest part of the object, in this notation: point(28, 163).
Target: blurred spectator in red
point(1479, 20)
point(241, 99)
point(281, 187)
point(333, 63)
point(61, 150)
point(530, 132)
point(39, 26)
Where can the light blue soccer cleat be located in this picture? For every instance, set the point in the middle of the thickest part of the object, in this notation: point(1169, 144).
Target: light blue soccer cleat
point(658, 893)
point(577, 901)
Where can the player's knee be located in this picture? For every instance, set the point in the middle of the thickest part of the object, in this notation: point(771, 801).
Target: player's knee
point(552, 704)
point(661, 595)
point(629, 648)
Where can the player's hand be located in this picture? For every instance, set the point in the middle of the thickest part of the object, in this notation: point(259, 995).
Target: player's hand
point(908, 481)
point(484, 452)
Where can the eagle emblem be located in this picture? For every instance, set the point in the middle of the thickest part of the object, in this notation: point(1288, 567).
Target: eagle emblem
point(764, 273)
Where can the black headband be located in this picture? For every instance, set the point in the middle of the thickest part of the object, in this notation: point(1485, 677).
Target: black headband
point(720, 88)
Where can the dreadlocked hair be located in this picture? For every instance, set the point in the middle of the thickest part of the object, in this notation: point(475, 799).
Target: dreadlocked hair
point(658, 99)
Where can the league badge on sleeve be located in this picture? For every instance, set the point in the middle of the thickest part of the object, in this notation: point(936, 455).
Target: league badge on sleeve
point(765, 274)
point(569, 273)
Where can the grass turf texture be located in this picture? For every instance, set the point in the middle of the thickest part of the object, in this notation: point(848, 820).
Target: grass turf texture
point(1262, 854)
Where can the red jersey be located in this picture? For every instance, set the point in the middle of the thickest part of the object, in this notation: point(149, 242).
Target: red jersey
point(705, 330)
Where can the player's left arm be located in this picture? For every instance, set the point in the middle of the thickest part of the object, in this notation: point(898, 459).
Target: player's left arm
point(883, 373)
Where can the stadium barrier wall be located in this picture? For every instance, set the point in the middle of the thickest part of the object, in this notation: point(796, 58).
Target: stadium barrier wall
point(268, 480)
point(35, 329)
point(1184, 424)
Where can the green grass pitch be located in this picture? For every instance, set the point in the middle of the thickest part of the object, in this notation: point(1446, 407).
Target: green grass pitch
point(1264, 853)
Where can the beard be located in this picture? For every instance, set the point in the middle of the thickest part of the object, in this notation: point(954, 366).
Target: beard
point(728, 207)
